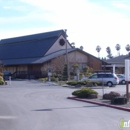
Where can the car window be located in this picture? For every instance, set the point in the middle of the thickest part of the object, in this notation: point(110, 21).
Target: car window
point(100, 75)
point(105, 76)
point(109, 76)
point(93, 76)
point(121, 76)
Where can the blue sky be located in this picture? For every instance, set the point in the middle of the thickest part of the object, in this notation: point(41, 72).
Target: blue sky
point(88, 22)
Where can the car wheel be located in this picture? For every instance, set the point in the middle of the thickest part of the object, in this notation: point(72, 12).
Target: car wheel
point(110, 84)
point(123, 82)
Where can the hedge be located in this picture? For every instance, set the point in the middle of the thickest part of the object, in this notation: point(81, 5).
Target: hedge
point(83, 82)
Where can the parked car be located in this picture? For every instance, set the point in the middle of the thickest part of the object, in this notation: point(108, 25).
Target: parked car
point(108, 79)
point(6, 75)
point(121, 78)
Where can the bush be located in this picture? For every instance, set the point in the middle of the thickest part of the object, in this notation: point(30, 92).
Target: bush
point(1, 78)
point(1, 82)
point(72, 83)
point(83, 83)
point(119, 100)
point(84, 92)
point(54, 79)
point(1, 74)
point(111, 95)
point(43, 79)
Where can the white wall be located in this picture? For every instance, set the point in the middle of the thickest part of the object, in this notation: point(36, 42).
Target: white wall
point(56, 46)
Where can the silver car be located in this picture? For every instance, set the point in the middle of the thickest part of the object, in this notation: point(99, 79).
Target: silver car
point(108, 79)
point(121, 78)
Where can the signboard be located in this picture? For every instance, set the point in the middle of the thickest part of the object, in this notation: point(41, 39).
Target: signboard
point(127, 77)
point(49, 74)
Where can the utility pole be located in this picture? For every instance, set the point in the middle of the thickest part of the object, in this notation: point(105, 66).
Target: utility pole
point(67, 61)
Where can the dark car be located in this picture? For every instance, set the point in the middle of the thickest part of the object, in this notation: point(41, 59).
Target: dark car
point(6, 75)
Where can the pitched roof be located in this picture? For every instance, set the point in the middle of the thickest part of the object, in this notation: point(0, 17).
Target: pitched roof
point(117, 60)
point(30, 46)
point(31, 49)
point(35, 60)
point(39, 60)
point(33, 37)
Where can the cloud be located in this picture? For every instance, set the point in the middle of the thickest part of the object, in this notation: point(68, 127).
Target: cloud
point(121, 5)
point(88, 24)
point(17, 8)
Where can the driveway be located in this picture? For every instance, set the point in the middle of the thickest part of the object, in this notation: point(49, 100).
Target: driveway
point(34, 105)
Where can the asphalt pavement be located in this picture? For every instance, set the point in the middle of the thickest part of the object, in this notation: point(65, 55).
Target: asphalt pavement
point(34, 105)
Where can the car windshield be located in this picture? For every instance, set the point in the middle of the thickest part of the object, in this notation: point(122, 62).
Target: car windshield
point(93, 76)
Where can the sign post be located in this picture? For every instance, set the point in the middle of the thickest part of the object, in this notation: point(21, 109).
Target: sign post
point(127, 77)
point(9, 80)
point(49, 74)
point(78, 72)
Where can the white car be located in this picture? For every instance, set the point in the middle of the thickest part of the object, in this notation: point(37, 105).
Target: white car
point(121, 78)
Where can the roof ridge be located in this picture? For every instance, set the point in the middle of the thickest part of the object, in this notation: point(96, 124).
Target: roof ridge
point(32, 40)
point(32, 37)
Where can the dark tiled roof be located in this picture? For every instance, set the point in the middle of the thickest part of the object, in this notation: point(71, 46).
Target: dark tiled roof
point(42, 59)
point(33, 37)
point(31, 46)
point(117, 60)
point(35, 60)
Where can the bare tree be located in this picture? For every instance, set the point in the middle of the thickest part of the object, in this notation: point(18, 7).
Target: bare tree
point(118, 47)
point(58, 63)
point(98, 49)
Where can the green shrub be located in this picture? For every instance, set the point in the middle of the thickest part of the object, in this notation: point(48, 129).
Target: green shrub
point(43, 79)
point(83, 82)
point(54, 79)
point(84, 92)
point(1, 78)
point(72, 83)
point(1, 74)
point(1, 82)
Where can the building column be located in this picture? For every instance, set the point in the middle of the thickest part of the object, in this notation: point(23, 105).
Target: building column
point(114, 68)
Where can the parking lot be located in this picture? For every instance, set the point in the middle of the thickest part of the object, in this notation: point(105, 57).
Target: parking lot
point(35, 105)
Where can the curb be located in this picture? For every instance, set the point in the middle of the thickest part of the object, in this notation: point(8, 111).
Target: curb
point(101, 104)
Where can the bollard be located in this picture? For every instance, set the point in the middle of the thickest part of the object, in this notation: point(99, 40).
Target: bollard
point(9, 80)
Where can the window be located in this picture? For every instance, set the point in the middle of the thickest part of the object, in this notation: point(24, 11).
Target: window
point(105, 76)
point(101, 75)
point(93, 76)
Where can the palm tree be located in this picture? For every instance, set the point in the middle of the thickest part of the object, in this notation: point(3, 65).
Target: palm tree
point(127, 47)
point(81, 47)
point(108, 49)
point(73, 44)
point(98, 48)
point(118, 47)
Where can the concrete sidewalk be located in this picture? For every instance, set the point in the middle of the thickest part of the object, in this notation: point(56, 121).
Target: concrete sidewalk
point(102, 102)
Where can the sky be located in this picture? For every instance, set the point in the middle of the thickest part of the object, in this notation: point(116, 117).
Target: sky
point(89, 23)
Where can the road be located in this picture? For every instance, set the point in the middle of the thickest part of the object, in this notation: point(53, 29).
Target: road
point(33, 105)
